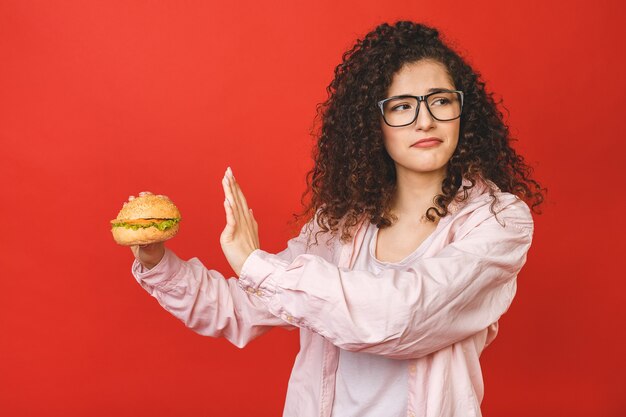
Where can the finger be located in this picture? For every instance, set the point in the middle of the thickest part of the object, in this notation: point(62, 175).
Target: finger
point(241, 201)
point(232, 214)
point(229, 197)
point(241, 197)
point(252, 217)
point(255, 226)
point(235, 202)
point(249, 217)
point(244, 217)
point(149, 247)
point(229, 229)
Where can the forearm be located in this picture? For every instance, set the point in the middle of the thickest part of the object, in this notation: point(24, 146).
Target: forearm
point(204, 300)
point(398, 313)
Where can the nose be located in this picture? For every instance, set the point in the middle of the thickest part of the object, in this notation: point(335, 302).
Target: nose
point(424, 119)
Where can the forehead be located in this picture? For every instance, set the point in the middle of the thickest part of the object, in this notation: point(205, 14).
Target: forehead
point(416, 78)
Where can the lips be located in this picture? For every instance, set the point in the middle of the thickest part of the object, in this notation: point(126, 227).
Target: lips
point(427, 142)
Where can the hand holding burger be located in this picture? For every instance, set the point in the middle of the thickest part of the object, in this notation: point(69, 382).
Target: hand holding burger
point(149, 255)
point(144, 223)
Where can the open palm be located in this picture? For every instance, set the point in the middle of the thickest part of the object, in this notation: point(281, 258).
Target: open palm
point(240, 236)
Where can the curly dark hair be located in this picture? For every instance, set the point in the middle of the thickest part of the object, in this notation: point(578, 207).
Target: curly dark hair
point(354, 176)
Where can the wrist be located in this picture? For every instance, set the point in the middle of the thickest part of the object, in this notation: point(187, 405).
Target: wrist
point(151, 255)
point(242, 261)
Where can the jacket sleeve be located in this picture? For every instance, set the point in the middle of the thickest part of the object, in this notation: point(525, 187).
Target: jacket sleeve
point(208, 303)
point(409, 313)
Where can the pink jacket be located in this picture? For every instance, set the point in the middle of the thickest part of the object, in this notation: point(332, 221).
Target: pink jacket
point(438, 314)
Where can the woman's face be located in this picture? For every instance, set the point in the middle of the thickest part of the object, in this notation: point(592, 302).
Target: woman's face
point(417, 79)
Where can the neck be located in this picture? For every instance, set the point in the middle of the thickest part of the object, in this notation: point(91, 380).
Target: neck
point(415, 192)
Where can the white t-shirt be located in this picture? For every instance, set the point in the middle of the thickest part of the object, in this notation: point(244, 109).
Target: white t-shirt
point(370, 385)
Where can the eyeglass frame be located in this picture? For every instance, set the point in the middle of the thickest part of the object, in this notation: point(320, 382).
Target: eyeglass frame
point(423, 98)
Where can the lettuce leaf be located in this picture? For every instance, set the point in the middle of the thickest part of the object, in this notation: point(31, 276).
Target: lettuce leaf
point(162, 225)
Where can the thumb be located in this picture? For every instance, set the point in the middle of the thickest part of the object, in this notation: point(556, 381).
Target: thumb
point(229, 230)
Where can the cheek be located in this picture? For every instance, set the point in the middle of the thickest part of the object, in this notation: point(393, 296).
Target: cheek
point(394, 148)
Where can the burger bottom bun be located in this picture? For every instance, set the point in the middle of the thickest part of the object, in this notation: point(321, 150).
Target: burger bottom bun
point(143, 236)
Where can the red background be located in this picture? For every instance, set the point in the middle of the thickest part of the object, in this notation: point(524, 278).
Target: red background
point(100, 100)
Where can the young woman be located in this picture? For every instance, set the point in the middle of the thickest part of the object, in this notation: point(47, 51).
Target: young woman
point(418, 225)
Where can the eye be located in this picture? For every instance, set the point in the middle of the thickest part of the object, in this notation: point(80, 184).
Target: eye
point(440, 101)
point(401, 107)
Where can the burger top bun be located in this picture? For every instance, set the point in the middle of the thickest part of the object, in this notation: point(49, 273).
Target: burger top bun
point(149, 206)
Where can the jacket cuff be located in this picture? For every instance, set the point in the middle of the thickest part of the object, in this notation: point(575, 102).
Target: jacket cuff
point(163, 275)
point(258, 273)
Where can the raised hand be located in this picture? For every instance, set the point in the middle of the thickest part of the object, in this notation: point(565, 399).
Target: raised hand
point(241, 234)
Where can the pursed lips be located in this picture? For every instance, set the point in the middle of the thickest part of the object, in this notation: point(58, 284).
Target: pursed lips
point(431, 139)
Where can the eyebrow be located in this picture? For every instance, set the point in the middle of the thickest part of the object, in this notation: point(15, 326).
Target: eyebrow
point(430, 90)
point(438, 89)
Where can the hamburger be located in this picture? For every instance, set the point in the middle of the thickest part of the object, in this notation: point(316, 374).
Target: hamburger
point(146, 219)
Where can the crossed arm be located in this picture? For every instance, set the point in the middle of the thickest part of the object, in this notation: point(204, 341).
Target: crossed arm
point(406, 313)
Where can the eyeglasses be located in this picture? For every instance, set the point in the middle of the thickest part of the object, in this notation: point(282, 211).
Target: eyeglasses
point(443, 105)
